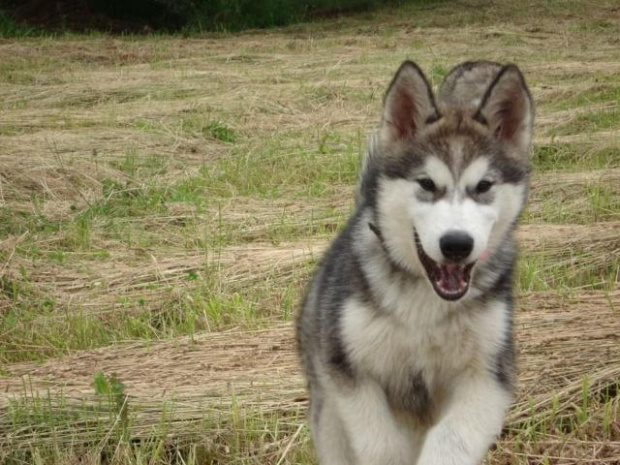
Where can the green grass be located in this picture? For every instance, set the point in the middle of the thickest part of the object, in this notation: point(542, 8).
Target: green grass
point(599, 94)
point(39, 327)
point(52, 419)
point(591, 122)
point(538, 273)
point(558, 156)
point(152, 187)
point(281, 168)
point(582, 204)
point(9, 28)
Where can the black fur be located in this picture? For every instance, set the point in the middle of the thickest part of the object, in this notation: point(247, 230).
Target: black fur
point(339, 277)
point(512, 171)
point(412, 398)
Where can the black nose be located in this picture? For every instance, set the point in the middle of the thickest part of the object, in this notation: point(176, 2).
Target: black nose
point(456, 245)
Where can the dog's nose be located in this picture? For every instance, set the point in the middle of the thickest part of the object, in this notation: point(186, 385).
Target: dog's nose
point(456, 245)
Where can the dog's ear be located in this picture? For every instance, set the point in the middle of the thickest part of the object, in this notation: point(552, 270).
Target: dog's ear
point(508, 110)
point(408, 105)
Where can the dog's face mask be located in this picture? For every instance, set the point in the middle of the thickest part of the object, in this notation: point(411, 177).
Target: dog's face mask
point(449, 182)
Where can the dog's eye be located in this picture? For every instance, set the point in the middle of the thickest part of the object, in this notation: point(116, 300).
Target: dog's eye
point(483, 186)
point(427, 184)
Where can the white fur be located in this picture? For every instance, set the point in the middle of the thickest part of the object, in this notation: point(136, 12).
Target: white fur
point(453, 350)
point(439, 172)
point(469, 427)
point(451, 345)
point(510, 198)
point(401, 212)
point(375, 435)
point(454, 212)
point(395, 221)
point(474, 173)
point(332, 442)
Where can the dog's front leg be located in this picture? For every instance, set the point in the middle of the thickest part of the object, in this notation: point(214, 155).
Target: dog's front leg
point(472, 422)
point(375, 436)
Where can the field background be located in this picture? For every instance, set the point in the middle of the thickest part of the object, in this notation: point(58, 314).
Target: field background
point(164, 198)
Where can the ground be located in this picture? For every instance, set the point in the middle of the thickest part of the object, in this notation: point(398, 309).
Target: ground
point(163, 200)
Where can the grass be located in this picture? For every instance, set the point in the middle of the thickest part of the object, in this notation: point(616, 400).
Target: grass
point(590, 122)
point(8, 27)
point(245, 432)
point(163, 199)
point(558, 156)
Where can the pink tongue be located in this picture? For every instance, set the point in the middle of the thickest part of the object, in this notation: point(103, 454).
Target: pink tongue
point(452, 277)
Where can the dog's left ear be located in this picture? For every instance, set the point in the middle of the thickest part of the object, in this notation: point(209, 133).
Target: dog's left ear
point(408, 106)
point(508, 110)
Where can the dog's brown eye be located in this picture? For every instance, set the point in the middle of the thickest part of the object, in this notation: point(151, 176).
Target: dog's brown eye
point(427, 184)
point(483, 186)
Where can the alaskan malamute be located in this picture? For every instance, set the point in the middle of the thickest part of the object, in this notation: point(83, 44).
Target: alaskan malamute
point(405, 332)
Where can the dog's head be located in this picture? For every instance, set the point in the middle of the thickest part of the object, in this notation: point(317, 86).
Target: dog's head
point(447, 181)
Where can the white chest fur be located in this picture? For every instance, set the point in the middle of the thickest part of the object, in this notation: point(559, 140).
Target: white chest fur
point(419, 334)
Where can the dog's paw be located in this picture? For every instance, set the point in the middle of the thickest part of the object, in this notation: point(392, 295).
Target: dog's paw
point(445, 447)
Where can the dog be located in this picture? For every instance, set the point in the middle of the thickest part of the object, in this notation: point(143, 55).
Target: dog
point(405, 331)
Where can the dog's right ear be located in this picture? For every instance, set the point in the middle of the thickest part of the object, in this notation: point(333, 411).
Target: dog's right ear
point(408, 106)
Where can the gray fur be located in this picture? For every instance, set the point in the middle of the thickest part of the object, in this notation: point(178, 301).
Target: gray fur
point(392, 390)
point(465, 85)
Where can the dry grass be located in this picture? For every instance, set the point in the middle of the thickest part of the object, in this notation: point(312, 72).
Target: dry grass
point(162, 201)
point(550, 331)
point(258, 371)
point(563, 251)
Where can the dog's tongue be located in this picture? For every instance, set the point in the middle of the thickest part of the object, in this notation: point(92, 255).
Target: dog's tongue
point(452, 278)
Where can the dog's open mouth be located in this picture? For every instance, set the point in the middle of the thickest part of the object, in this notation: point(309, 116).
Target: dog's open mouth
point(450, 280)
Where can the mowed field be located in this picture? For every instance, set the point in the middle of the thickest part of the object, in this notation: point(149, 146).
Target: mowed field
point(164, 199)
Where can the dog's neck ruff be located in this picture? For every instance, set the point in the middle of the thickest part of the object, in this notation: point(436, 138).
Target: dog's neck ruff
point(395, 265)
point(377, 233)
